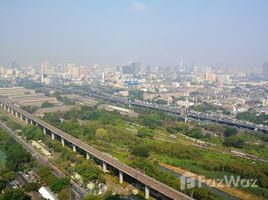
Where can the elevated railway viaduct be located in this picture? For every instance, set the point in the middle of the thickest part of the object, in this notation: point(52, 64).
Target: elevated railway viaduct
point(147, 181)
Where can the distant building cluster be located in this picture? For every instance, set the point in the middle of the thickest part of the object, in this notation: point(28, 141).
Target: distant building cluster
point(182, 85)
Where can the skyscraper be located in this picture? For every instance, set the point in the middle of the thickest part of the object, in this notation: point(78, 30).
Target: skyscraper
point(265, 68)
point(132, 68)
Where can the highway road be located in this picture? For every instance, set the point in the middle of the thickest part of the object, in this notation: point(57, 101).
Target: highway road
point(176, 111)
point(78, 192)
point(96, 93)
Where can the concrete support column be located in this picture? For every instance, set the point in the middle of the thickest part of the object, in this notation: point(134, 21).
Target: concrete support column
point(26, 119)
point(62, 142)
point(8, 109)
point(44, 131)
point(147, 192)
point(104, 167)
point(87, 155)
point(121, 177)
point(21, 117)
point(12, 111)
point(32, 122)
point(17, 115)
point(74, 148)
point(53, 136)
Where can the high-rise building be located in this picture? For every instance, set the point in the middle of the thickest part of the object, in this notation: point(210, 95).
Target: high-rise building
point(83, 71)
point(265, 68)
point(132, 68)
point(44, 68)
point(210, 76)
point(75, 71)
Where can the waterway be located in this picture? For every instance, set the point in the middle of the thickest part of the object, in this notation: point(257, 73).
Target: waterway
point(220, 193)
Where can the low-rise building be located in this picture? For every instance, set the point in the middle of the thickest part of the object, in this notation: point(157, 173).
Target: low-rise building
point(47, 193)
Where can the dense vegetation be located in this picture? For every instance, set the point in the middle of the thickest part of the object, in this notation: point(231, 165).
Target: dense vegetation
point(109, 127)
point(47, 104)
point(17, 159)
point(254, 117)
point(136, 94)
point(134, 143)
point(29, 84)
point(206, 107)
point(29, 109)
point(65, 100)
point(55, 183)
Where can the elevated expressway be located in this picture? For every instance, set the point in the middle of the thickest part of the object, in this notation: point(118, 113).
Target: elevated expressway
point(174, 111)
point(147, 181)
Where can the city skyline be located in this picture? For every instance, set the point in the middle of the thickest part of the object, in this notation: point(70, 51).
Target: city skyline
point(151, 32)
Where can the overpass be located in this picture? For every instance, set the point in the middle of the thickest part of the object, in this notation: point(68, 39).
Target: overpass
point(147, 181)
point(169, 109)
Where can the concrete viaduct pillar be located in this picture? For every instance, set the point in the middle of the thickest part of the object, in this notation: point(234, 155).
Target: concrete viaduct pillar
point(104, 167)
point(53, 136)
point(44, 131)
point(21, 117)
point(16, 114)
point(87, 156)
point(62, 142)
point(147, 192)
point(121, 177)
point(74, 148)
point(26, 119)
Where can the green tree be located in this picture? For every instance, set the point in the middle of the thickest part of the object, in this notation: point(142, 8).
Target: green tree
point(31, 187)
point(57, 184)
point(145, 132)
point(101, 133)
point(47, 104)
point(140, 150)
point(93, 197)
point(230, 131)
point(14, 194)
point(204, 194)
point(88, 170)
point(2, 184)
point(17, 157)
point(161, 101)
point(195, 133)
point(136, 94)
point(30, 109)
point(10, 175)
point(33, 133)
point(150, 120)
point(183, 127)
point(235, 141)
point(65, 194)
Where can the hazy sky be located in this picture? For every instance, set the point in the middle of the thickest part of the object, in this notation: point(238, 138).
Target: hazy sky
point(231, 32)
